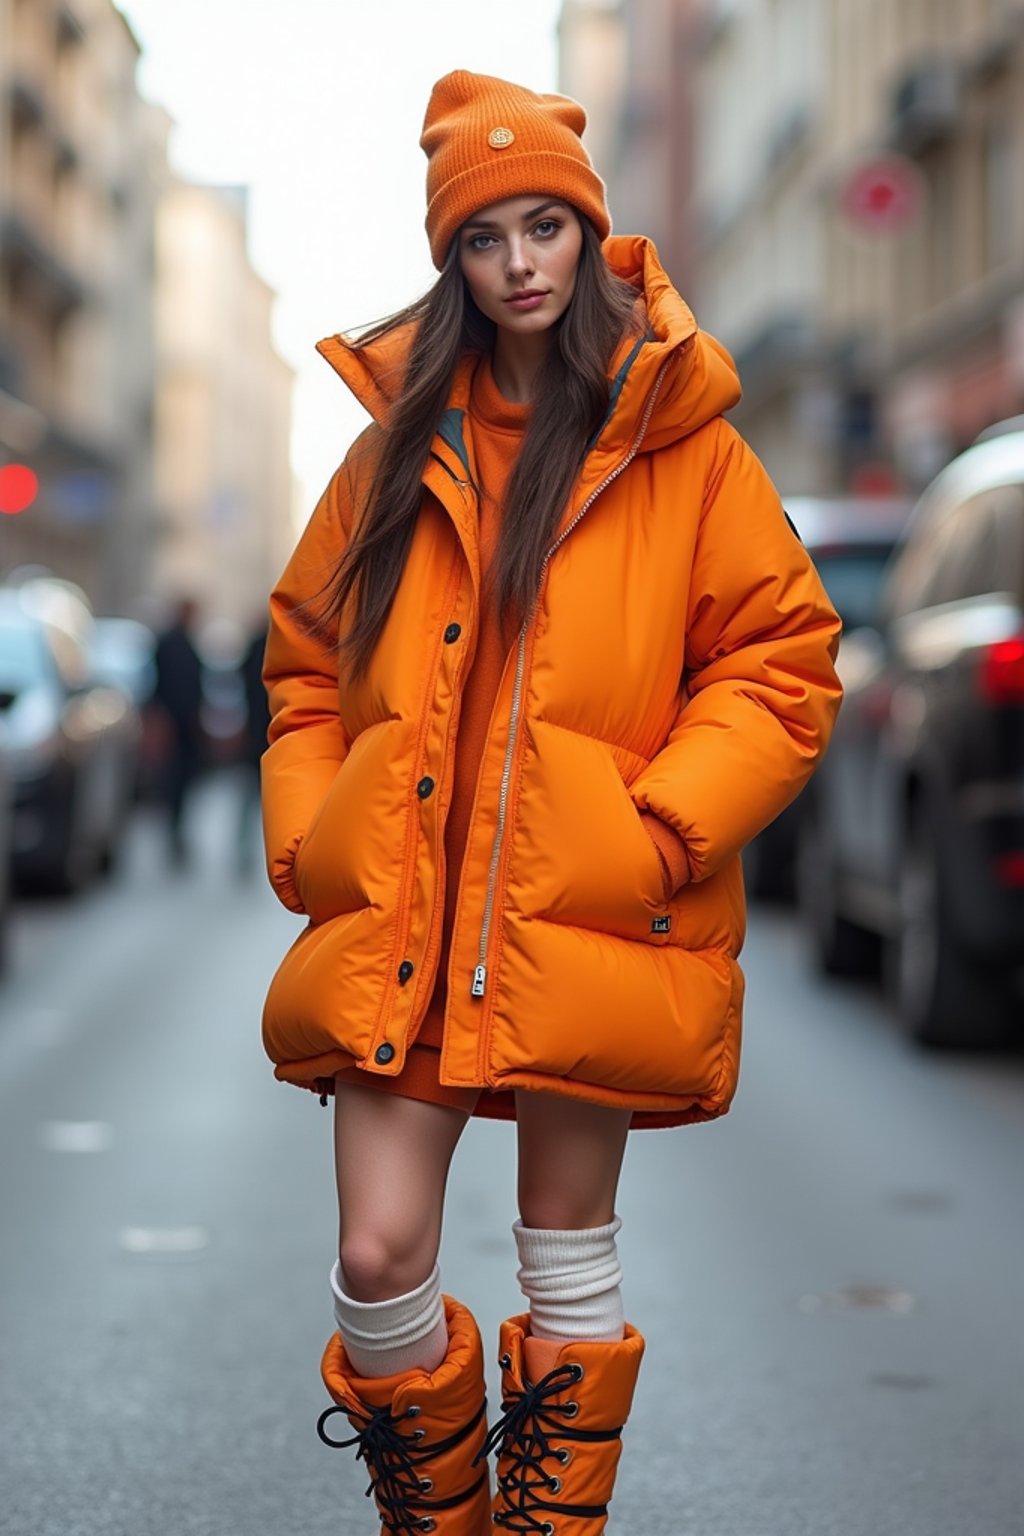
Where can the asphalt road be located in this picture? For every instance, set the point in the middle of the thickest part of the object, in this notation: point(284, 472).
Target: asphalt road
point(830, 1279)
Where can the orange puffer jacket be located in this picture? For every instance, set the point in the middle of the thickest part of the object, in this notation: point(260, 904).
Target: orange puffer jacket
point(679, 659)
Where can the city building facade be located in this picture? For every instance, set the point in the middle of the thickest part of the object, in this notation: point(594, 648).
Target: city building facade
point(592, 70)
point(936, 310)
point(862, 233)
point(760, 271)
point(629, 64)
point(223, 413)
point(77, 197)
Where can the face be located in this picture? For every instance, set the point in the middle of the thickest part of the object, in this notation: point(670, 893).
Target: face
point(519, 258)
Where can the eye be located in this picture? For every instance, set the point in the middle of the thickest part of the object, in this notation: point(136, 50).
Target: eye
point(547, 227)
point(479, 242)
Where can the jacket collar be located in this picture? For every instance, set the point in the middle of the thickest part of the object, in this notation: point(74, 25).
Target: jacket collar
point(698, 378)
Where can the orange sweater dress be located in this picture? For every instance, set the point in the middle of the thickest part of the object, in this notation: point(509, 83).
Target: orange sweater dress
point(497, 427)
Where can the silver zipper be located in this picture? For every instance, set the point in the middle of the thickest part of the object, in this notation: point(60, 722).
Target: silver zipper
point(480, 974)
point(479, 986)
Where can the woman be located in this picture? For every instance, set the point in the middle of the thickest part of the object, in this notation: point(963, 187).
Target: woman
point(546, 657)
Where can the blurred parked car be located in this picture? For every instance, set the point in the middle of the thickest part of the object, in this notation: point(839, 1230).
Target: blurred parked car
point(71, 742)
point(913, 828)
point(6, 805)
point(850, 541)
point(121, 655)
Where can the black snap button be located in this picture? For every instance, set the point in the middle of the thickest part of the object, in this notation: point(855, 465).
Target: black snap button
point(425, 787)
point(405, 970)
point(452, 633)
point(383, 1054)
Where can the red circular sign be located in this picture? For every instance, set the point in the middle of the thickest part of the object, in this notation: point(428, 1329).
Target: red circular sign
point(18, 487)
point(883, 194)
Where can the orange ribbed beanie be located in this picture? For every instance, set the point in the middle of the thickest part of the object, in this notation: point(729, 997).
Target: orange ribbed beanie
point(486, 139)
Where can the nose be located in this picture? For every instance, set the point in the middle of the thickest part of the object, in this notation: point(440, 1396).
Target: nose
point(519, 264)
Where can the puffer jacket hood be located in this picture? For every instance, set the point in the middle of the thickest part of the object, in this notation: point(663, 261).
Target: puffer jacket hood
point(700, 381)
point(678, 660)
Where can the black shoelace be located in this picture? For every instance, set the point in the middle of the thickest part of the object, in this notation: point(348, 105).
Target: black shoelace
point(394, 1461)
point(523, 1436)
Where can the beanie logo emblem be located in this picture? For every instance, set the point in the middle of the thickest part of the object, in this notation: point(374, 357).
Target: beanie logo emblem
point(501, 138)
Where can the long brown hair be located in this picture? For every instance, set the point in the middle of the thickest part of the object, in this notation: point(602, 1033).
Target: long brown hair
point(569, 406)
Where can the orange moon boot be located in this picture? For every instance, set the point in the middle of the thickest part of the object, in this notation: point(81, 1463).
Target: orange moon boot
point(559, 1437)
point(421, 1435)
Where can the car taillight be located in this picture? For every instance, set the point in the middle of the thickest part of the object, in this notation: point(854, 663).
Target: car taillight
point(1001, 677)
point(1010, 870)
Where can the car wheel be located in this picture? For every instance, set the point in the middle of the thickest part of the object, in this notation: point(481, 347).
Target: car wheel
point(78, 861)
point(5, 925)
point(838, 947)
point(943, 996)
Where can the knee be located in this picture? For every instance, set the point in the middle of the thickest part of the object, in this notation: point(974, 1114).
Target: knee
point(377, 1265)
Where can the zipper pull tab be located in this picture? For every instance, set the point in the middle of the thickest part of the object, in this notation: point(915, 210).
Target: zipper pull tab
point(479, 981)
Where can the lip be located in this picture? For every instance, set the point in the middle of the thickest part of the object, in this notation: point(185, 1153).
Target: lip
point(530, 298)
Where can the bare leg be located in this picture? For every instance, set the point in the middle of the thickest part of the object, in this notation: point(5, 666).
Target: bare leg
point(574, 1346)
point(570, 1158)
point(392, 1157)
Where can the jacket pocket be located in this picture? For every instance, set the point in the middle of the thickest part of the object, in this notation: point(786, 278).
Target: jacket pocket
point(582, 854)
point(326, 991)
point(348, 858)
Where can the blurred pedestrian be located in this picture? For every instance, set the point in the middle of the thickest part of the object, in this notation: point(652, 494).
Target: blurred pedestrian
point(179, 695)
point(583, 660)
point(254, 744)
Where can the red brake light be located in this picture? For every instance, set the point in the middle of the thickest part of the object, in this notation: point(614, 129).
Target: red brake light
point(1010, 870)
point(1002, 672)
point(18, 488)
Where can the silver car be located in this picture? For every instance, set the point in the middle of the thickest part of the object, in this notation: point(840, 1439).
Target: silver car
point(71, 743)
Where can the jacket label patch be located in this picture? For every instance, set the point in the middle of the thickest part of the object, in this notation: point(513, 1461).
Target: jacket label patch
point(661, 925)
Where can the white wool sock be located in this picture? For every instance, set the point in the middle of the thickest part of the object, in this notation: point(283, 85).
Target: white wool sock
point(404, 1333)
point(573, 1281)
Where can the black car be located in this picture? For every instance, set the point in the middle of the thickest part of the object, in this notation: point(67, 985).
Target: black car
point(913, 827)
point(6, 819)
point(70, 743)
point(850, 540)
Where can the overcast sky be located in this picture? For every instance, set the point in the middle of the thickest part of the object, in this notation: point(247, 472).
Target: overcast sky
point(317, 105)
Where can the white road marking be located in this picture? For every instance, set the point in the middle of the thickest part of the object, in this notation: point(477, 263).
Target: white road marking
point(172, 1240)
point(76, 1135)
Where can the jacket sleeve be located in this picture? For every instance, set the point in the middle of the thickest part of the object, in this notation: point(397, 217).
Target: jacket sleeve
point(300, 672)
point(760, 691)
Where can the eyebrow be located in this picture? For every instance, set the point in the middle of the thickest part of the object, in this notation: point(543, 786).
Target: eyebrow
point(554, 202)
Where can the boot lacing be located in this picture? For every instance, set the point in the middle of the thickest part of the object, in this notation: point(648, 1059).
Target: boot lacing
point(522, 1437)
point(393, 1461)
